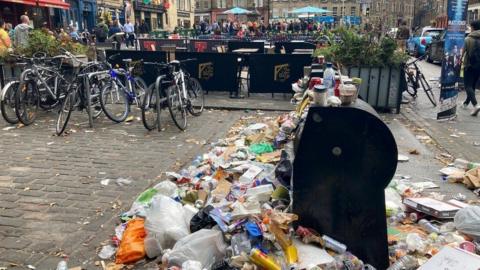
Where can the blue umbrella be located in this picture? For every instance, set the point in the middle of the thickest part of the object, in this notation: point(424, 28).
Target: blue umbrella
point(237, 10)
point(310, 9)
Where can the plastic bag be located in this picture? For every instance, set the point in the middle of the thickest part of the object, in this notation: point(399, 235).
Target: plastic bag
point(283, 171)
point(167, 188)
point(467, 221)
point(205, 246)
point(191, 265)
point(393, 202)
point(165, 218)
point(131, 247)
point(260, 148)
point(202, 220)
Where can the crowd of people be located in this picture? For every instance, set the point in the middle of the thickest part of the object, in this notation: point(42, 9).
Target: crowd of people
point(17, 37)
point(249, 28)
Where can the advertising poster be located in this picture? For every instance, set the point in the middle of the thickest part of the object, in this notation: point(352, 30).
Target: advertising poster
point(451, 64)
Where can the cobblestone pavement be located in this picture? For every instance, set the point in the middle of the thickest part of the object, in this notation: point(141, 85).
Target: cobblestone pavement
point(460, 137)
point(51, 198)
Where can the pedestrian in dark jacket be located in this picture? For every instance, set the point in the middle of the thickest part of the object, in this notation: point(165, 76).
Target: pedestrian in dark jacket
point(471, 65)
point(144, 29)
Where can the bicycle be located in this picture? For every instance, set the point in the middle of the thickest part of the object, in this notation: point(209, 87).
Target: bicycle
point(116, 97)
point(416, 80)
point(181, 94)
point(41, 85)
point(83, 93)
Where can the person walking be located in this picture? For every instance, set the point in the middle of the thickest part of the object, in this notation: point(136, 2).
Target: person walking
point(113, 33)
point(471, 63)
point(5, 42)
point(129, 33)
point(144, 29)
point(403, 34)
point(21, 32)
point(101, 31)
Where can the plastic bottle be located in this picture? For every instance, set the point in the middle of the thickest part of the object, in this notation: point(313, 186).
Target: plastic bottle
point(261, 259)
point(397, 218)
point(427, 226)
point(62, 265)
point(334, 244)
point(329, 79)
point(405, 263)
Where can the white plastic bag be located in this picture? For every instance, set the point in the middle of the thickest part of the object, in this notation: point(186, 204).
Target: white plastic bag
point(205, 246)
point(165, 218)
point(467, 221)
point(167, 188)
point(191, 265)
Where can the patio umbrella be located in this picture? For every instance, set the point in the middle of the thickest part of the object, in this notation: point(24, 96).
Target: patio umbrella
point(236, 11)
point(310, 9)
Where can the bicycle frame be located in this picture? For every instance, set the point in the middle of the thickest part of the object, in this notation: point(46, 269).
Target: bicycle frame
point(126, 88)
point(36, 72)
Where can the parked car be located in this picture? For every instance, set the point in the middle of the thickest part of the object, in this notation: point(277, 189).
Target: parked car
point(434, 50)
point(417, 43)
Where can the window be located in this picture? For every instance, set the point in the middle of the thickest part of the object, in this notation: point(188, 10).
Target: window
point(334, 11)
point(182, 5)
point(177, 4)
point(353, 11)
point(324, 14)
point(197, 4)
point(221, 3)
point(206, 4)
point(258, 3)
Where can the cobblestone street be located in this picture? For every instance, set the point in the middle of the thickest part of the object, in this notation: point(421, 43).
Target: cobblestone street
point(51, 198)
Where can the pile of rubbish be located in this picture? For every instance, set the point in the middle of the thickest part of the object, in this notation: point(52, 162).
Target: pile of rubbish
point(231, 209)
point(228, 210)
point(463, 171)
point(425, 230)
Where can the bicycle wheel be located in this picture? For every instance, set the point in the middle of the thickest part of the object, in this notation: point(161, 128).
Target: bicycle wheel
point(114, 102)
point(196, 97)
point(411, 86)
point(428, 90)
point(140, 87)
point(150, 108)
point(8, 102)
point(27, 100)
point(176, 108)
point(65, 111)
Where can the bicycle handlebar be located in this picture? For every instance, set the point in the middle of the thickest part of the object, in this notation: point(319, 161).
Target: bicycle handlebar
point(416, 60)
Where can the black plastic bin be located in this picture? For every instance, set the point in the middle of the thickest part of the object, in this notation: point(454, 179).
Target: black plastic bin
point(344, 159)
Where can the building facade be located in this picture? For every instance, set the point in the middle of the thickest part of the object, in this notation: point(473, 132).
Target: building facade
point(473, 10)
point(154, 13)
point(281, 9)
point(387, 14)
point(213, 10)
point(185, 13)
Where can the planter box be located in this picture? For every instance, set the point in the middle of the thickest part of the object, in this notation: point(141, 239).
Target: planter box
point(381, 87)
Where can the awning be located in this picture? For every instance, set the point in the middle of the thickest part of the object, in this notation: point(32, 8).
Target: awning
point(54, 4)
point(24, 2)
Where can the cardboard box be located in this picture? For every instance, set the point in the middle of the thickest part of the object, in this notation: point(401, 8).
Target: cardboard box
point(432, 207)
point(450, 258)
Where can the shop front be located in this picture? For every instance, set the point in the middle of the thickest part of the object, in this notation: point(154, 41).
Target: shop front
point(152, 13)
point(39, 11)
point(184, 19)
